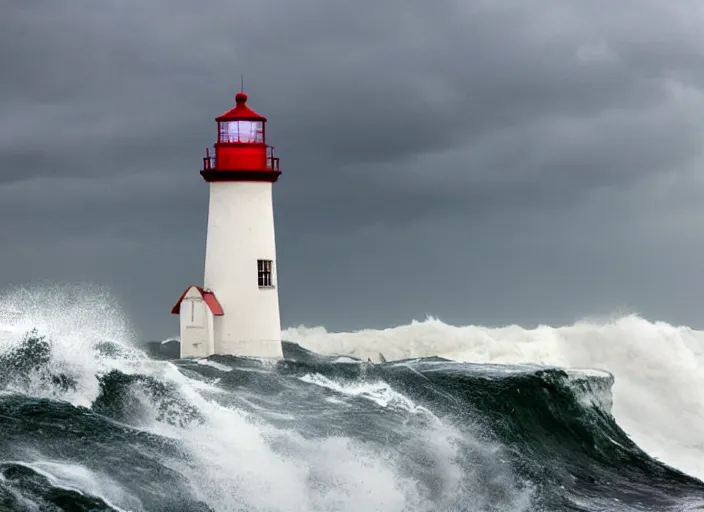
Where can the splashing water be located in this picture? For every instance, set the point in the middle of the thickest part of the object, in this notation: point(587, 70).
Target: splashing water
point(76, 322)
point(231, 458)
point(230, 434)
point(658, 368)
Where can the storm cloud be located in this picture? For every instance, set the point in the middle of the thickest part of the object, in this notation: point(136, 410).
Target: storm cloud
point(480, 161)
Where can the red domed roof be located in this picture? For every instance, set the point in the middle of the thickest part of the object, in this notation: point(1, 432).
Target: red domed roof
point(240, 111)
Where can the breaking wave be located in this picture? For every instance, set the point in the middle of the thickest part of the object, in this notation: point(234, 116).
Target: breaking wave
point(659, 368)
point(456, 418)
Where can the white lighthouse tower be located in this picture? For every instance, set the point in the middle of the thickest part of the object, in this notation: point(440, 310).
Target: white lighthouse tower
point(237, 310)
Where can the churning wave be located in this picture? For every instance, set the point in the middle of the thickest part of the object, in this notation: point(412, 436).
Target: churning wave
point(442, 418)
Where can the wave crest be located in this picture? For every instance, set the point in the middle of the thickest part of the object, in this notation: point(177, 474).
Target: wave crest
point(658, 368)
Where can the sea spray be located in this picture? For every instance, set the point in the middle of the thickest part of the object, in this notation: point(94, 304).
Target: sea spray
point(227, 433)
point(658, 396)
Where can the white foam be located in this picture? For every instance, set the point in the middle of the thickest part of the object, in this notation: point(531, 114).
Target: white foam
point(233, 459)
point(658, 368)
point(378, 392)
point(343, 359)
point(74, 477)
point(587, 372)
point(236, 461)
point(213, 364)
point(75, 320)
point(252, 465)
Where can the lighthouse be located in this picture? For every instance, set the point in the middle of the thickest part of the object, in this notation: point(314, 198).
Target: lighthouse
point(236, 311)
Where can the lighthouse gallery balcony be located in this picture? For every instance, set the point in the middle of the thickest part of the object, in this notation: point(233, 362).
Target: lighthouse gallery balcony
point(271, 161)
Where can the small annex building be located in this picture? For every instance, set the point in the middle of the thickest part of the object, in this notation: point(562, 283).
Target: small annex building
point(197, 309)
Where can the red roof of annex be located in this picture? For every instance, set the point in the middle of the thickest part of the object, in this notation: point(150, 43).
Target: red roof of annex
point(208, 297)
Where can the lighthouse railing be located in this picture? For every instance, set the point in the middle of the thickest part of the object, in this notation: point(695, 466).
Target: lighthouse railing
point(272, 162)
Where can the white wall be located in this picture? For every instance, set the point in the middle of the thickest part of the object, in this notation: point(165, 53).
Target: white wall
point(196, 321)
point(240, 232)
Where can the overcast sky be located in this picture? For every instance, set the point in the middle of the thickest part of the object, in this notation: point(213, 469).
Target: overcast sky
point(481, 161)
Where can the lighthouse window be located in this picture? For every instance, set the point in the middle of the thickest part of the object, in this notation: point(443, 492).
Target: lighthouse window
point(264, 273)
point(241, 131)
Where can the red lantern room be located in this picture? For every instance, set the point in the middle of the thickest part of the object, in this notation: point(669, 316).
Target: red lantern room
point(241, 152)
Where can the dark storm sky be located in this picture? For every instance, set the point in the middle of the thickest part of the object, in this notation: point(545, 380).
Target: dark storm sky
point(483, 161)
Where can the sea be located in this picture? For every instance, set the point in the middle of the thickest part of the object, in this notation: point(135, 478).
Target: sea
point(604, 414)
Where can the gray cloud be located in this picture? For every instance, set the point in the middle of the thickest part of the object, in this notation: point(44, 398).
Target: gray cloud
point(488, 161)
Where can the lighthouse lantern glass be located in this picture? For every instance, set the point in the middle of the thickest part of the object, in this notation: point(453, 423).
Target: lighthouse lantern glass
point(241, 131)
